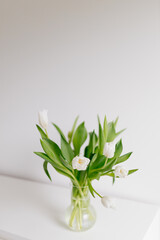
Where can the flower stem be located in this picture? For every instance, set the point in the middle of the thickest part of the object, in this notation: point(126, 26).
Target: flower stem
point(73, 215)
point(80, 214)
point(79, 187)
point(78, 219)
point(97, 193)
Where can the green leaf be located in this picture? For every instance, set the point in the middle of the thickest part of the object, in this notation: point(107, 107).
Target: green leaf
point(51, 149)
point(65, 146)
point(81, 177)
point(58, 166)
point(63, 173)
point(95, 175)
point(114, 177)
point(70, 134)
point(132, 171)
point(109, 165)
point(98, 163)
point(90, 188)
point(105, 128)
point(111, 132)
point(42, 133)
point(112, 174)
point(99, 122)
point(101, 139)
point(54, 152)
point(45, 157)
point(96, 150)
point(109, 173)
point(46, 170)
point(118, 149)
point(66, 164)
point(93, 141)
point(118, 133)
point(123, 158)
point(52, 162)
point(66, 150)
point(59, 130)
point(79, 138)
point(89, 150)
point(93, 159)
point(115, 123)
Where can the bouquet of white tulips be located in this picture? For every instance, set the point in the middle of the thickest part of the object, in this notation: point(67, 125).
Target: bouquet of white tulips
point(101, 157)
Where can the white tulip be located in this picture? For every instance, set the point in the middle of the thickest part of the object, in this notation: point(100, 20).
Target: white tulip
point(80, 163)
point(120, 171)
point(43, 118)
point(109, 149)
point(108, 202)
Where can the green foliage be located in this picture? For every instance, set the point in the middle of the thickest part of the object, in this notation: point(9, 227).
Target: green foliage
point(118, 149)
point(123, 158)
point(64, 172)
point(98, 163)
point(132, 171)
point(91, 188)
point(114, 178)
point(60, 131)
point(109, 165)
point(98, 118)
point(105, 129)
point(42, 133)
point(70, 134)
point(66, 163)
point(101, 140)
point(61, 158)
point(51, 149)
point(46, 170)
point(66, 149)
point(52, 162)
point(93, 159)
point(116, 121)
point(112, 131)
point(79, 138)
point(90, 148)
point(95, 175)
point(118, 133)
point(111, 174)
point(46, 158)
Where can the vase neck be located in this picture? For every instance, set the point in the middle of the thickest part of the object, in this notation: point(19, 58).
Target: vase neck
point(80, 194)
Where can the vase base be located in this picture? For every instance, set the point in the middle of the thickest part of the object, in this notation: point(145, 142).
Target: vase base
point(82, 220)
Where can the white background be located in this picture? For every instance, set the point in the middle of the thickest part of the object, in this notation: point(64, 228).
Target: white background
point(82, 57)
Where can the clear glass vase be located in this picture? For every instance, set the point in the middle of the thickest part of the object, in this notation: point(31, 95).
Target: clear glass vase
point(80, 215)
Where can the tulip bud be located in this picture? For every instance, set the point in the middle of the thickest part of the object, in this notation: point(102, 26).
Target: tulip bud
point(109, 149)
point(43, 118)
point(108, 202)
point(120, 171)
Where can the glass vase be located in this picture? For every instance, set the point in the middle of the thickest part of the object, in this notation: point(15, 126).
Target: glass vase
point(80, 215)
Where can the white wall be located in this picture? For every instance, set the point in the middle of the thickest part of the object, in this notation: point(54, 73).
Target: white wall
point(81, 57)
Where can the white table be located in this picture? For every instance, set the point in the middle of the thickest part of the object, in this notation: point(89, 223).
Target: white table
point(35, 211)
